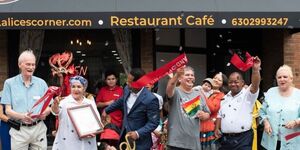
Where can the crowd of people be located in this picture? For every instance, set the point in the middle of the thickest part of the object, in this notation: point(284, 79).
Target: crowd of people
point(220, 113)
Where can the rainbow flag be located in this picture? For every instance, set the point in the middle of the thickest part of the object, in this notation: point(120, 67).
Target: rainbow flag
point(192, 106)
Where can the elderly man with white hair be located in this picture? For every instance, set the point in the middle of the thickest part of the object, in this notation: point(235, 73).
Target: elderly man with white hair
point(19, 95)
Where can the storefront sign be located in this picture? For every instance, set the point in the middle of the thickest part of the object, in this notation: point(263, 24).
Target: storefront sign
point(81, 70)
point(102, 20)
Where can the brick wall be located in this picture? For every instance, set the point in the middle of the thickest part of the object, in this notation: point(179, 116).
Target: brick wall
point(271, 56)
point(147, 50)
point(292, 54)
point(3, 58)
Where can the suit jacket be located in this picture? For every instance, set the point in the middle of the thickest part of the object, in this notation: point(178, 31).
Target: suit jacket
point(143, 116)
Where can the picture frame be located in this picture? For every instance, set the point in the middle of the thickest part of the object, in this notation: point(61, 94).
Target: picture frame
point(85, 120)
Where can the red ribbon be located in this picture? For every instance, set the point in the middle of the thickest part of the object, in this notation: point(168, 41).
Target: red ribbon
point(290, 136)
point(240, 64)
point(154, 76)
point(51, 92)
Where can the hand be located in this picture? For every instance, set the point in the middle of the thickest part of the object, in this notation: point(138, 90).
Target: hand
point(267, 127)
point(217, 133)
point(180, 71)
point(202, 115)
point(291, 124)
point(132, 135)
point(54, 133)
point(256, 63)
point(104, 118)
point(56, 101)
point(54, 106)
point(104, 114)
point(27, 119)
point(90, 135)
point(109, 102)
point(110, 147)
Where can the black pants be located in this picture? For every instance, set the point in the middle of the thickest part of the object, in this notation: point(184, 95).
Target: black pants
point(241, 141)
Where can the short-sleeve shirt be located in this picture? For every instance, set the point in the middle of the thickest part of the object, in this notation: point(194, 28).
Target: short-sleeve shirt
point(236, 111)
point(22, 98)
point(183, 129)
point(104, 95)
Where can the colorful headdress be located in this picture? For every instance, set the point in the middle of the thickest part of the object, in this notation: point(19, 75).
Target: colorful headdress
point(79, 79)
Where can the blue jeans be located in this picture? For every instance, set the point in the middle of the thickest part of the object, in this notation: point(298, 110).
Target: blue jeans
point(4, 136)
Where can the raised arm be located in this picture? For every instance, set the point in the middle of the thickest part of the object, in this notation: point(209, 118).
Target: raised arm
point(255, 77)
point(173, 81)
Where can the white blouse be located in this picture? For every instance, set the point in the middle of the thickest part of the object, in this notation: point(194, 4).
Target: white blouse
point(67, 137)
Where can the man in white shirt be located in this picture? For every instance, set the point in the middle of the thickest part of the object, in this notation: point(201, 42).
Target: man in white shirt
point(235, 115)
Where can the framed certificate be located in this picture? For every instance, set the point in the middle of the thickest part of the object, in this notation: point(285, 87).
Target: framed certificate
point(85, 120)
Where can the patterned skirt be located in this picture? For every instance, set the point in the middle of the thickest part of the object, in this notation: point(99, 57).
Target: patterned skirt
point(208, 141)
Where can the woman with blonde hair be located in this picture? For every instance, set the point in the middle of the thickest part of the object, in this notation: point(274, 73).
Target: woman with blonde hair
point(280, 113)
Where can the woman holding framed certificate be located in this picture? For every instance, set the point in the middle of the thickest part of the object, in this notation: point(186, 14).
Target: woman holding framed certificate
point(78, 117)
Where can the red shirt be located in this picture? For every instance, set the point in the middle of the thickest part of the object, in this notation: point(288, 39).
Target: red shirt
point(104, 95)
point(213, 102)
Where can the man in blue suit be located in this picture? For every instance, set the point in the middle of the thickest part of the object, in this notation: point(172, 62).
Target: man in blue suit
point(140, 112)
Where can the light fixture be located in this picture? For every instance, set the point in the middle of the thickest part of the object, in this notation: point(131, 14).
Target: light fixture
point(83, 55)
point(80, 43)
point(113, 51)
point(88, 42)
point(120, 60)
point(117, 57)
point(82, 60)
point(78, 52)
point(106, 43)
point(115, 54)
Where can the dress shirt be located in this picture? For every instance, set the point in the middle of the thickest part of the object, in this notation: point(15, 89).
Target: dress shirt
point(131, 99)
point(236, 111)
point(22, 98)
